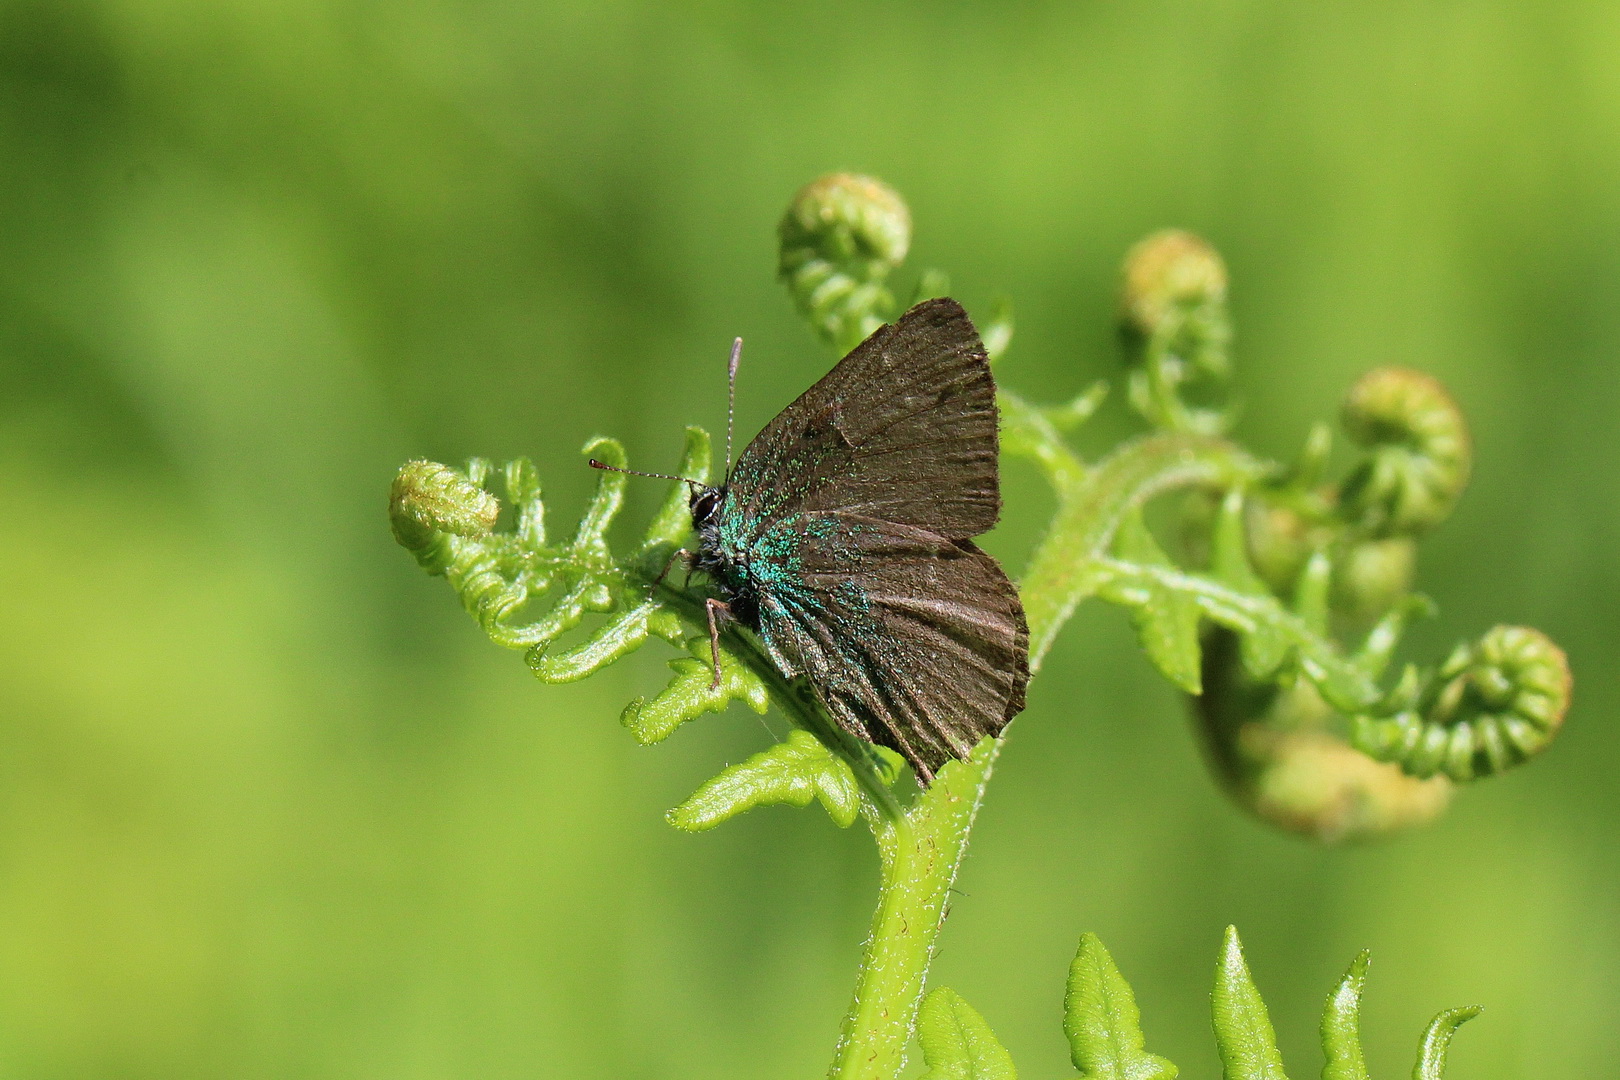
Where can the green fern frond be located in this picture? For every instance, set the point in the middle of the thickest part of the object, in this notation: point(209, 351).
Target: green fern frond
point(528, 592)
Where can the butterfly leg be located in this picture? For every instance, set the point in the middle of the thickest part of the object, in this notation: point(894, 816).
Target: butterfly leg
point(680, 553)
point(717, 610)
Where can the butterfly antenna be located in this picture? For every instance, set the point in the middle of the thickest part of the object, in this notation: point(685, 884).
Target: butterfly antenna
point(604, 466)
point(731, 399)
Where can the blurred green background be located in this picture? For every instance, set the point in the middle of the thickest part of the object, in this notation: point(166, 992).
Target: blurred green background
point(271, 806)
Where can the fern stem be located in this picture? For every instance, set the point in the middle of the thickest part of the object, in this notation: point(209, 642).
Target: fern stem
point(1065, 568)
point(920, 851)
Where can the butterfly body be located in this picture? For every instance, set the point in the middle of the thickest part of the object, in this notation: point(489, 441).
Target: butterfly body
point(843, 538)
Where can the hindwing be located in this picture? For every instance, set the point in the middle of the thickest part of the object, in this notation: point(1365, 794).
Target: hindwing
point(911, 639)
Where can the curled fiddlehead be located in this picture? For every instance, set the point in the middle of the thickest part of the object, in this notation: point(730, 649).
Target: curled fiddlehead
point(525, 591)
point(1418, 453)
point(428, 499)
point(1291, 598)
point(1494, 703)
point(841, 237)
point(1173, 318)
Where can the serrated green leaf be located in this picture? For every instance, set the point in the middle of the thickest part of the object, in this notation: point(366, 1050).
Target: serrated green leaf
point(1263, 648)
point(956, 1042)
point(887, 765)
point(1027, 431)
point(1102, 1022)
point(1341, 684)
point(1166, 620)
point(1341, 1025)
point(1431, 1063)
point(1341, 681)
point(1243, 1032)
point(1229, 550)
point(690, 694)
point(792, 772)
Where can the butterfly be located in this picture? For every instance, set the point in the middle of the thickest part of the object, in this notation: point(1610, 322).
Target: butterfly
point(843, 538)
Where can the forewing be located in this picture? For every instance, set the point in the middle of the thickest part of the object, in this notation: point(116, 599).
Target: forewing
point(903, 429)
point(911, 639)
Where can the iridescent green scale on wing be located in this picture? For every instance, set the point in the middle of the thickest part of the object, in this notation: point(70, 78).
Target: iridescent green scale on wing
point(843, 536)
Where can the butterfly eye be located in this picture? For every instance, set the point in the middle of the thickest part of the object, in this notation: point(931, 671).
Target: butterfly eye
point(705, 503)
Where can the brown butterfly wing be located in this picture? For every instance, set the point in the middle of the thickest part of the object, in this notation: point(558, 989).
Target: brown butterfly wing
point(910, 639)
point(903, 429)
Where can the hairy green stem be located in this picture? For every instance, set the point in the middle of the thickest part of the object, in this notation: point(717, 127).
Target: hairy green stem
point(920, 853)
point(1065, 567)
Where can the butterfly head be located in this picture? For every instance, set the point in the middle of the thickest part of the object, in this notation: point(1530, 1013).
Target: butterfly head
point(714, 558)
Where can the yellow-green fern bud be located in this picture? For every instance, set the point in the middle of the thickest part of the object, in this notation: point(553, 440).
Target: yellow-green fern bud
point(1371, 575)
point(429, 498)
point(1312, 783)
point(1174, 318)
point(1168, 275)
point(1273, 748)
point(1280, 540)
point(840, 238)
